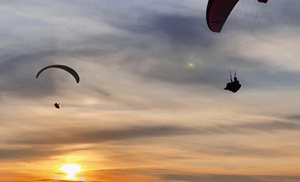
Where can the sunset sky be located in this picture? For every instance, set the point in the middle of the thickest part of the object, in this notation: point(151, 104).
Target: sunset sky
point(150, 105)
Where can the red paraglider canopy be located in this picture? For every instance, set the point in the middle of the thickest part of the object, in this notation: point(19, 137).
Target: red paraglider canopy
point(218, 11)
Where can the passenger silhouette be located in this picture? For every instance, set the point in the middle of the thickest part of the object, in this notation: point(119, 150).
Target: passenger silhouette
point(233, 85)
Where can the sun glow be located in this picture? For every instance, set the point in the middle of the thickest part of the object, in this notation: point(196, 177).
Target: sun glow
point(70, 170)
point(191, 66)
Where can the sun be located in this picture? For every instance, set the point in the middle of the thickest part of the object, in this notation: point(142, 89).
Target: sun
point(70, 170)
point(191, 66)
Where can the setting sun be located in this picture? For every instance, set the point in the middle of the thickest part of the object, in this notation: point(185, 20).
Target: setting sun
point(70, 170)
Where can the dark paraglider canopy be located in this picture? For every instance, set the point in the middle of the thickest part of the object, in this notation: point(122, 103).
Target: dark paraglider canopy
point(217, 12)
point(66, 68)
point(263, 1)
point(56, 105)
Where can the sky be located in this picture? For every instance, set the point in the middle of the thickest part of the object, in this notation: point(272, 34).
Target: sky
point(150, 104)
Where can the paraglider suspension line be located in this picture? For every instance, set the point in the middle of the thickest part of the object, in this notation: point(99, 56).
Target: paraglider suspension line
point(230, 74)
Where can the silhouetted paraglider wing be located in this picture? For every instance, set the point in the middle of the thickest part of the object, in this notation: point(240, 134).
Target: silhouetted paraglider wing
point(57, 105)
point(263, 1)
point(66, 68)
point(217, 13)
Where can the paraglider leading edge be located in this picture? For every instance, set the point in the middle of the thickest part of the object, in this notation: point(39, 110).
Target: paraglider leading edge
point(64, 67)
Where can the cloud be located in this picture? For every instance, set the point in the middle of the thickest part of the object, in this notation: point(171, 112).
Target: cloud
point(86, 135)
point(226, 178)
point(210, 178)
point(178, 30)
point(92, 135)
point(77, 135)
point(137, 135)
point(166, 175)
point(293, 117)
point(248, 128)
point(240, 150)
point(274, 18)
point(29, 153)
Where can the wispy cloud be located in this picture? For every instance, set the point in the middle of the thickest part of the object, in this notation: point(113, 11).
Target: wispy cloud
point(92, 135)
point(227, 178)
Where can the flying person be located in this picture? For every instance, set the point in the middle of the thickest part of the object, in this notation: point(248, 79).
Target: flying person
point(56, 105)
point(234, 85)
point(63, 67)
